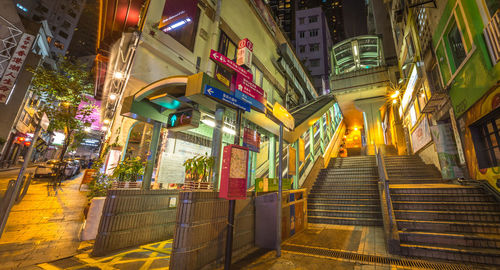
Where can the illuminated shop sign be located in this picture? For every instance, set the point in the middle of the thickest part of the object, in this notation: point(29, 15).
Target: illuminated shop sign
point(177, 14)
point(409, 88)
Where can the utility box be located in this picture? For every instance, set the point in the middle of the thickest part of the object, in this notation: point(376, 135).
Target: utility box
point(266, 220)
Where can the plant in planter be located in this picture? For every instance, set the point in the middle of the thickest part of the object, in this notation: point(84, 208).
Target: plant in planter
point(129, 170)
point(99, 185)
point(199, 168)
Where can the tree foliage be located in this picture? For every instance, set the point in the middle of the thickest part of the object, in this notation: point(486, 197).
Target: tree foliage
point(65, 94)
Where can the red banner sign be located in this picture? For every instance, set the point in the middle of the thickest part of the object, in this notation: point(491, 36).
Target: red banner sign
point(251, 89)
point(251, 139)
point(228, 63)
point(234, 172)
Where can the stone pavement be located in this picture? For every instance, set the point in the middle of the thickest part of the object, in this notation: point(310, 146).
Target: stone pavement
point(45, 226)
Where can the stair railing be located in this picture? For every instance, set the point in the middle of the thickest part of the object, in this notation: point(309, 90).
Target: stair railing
point(390, 226)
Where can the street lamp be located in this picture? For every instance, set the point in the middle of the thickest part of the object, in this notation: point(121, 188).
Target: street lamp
point(118, 75)
point(112, 97)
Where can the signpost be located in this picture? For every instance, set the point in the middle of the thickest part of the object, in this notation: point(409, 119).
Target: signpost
point(226, 98)
point(286, 120)
point(230, 65)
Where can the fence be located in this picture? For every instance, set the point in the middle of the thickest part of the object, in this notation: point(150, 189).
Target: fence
point(200, 231)
point(134, 217)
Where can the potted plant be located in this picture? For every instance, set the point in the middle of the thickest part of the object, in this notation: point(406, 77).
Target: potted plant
point(128, 170)
point(199, 170)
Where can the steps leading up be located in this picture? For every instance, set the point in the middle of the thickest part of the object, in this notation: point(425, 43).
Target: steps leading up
point(346, 193)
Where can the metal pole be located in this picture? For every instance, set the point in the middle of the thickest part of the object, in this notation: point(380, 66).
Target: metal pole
point(153, 148)
point(280, 176)
point(19, 179)
point(232, 205)
point(217, 144)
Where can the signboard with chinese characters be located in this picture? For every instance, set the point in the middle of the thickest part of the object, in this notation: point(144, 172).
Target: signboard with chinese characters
point(226, 97)
point(250, 89)
point(244, 54)
point(229, 64)
point(15, 66)
point(271, 184)
point(177, 14)
point(233, 180)
point(251, 139)
point(284, 116)
point(302, 150)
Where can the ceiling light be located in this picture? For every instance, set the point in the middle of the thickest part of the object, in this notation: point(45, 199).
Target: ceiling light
point(118, 75)
point(112, 97)
point(106, 121)
point(356, 129)
point(395, 101)
point(395, 95)
point(211, 123)
point(104, 128)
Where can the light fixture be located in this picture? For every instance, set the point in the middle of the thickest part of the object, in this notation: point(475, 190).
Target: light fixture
point(87, 129)
point(112, 97)
point(211, 123)
point(356, 129)
point(104, 128)
point(118, 75)
point(355, 49)
point(106, 121)
point(395, 95)
point(422, 95)
point(177, 24)
point(395, 101)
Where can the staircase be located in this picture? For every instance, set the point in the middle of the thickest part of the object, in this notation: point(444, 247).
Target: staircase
point(442, 221)
point(346, 193)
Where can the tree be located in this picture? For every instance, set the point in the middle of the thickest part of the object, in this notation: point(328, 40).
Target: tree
point(65, 95)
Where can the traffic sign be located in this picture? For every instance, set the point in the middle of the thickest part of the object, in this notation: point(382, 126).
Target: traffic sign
point(225, 97)
point(253, 102)
point(250, 88)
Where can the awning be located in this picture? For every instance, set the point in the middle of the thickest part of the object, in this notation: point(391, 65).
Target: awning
point(158, 99)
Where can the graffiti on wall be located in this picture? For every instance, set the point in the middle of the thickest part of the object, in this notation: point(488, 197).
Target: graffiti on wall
point(486, 104)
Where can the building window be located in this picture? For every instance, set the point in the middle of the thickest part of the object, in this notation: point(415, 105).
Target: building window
point(302, 48)
point(228, 48)
point(301, 20)
point(313, 19)
point(314, 63)
point(313, 32)
point(186, 35)
point(456, 45)
point(302, 34)
point(63, 34)
point(314, 47)
point(486, 136)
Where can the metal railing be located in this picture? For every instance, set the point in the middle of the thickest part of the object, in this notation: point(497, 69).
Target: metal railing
point(7, 197)
point(390, 225)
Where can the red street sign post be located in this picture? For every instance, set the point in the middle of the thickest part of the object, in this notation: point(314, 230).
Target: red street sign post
point(234, 172)
point(229, 64)
point(249, 88)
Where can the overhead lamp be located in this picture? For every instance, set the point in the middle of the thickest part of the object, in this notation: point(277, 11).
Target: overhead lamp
point(87, 129)
point(104, 128)
point(395, 95)
point(106, 121)
point(211, 123)
point(177, 24)
point(356, 129)
point(395, 101)
point(355, 49)
point(112, 97)
point(118, 75)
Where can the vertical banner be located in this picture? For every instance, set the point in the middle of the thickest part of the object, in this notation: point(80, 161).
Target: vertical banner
point(302, 150)
point(251, 139)
point(292, 157)
point(14, 67)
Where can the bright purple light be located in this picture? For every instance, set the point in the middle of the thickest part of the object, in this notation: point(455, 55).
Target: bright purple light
point(95, 117)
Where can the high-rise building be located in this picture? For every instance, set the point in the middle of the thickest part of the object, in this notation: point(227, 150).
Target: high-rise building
point(312, 44)
point(62, 17)
point(333, 10)
point(84, 38)
point(284, 12)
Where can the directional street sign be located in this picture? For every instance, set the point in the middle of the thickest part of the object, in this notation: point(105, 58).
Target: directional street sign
point(225, 97)
point(229, 64)
point(250, 88)
point(253, 102)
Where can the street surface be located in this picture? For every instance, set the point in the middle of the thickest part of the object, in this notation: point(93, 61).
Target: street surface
point(44, 226)
point(5, 176)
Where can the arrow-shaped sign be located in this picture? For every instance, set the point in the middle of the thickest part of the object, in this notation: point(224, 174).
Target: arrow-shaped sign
point(226, 98)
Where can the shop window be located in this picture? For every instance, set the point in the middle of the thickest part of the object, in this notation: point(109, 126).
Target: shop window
point(186, 35)
point(456, 45)
point(486, 136)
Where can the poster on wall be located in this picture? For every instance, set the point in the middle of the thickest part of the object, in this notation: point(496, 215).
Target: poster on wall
point(233, 179)
point(447, 151)
point(251, 139)
point(177, 151)
point(421, 135)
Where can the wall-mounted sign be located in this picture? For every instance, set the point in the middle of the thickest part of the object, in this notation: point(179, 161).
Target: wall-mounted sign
point(250, 89)
point(410, 87)
point(271, 184)
point(184, 120)
point(177, 14)
point(251, 139)
point(244, 54)
point(302, 150)
point(230, 65)
point(45, 122)
point(14, 67)
point(234, 172)
point(225, 97)
point(256, 105)
point(421, 135)
point(284, 116)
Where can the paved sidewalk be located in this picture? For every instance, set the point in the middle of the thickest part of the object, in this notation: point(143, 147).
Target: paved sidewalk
point(45, 226)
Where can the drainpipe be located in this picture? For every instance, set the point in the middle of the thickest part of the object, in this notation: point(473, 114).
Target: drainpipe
point(212, 43)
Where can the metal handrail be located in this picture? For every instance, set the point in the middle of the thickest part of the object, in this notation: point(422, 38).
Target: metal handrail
point(390, 225)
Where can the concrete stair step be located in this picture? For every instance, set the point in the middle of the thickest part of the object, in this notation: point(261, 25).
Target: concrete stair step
point(443, 197)
point(427, 180)
point(347, 189)
point(448, 226)
point(438, 190)
point(344, 213)
point(344, 201)
point(446, 206)
point(453, 253)
point(456, 239)
point(348, 207)
point(448, 215)
point(336, 195)
point(345, 221)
